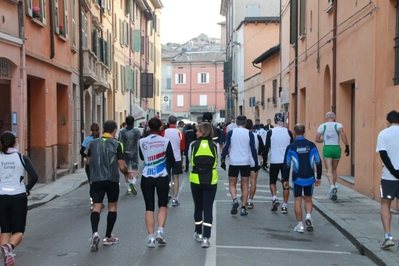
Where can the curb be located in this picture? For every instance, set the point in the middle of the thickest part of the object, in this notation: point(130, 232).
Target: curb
point(362, 243)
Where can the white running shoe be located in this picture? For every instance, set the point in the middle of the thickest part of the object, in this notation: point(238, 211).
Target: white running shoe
point(205, 243)
point(94, 240)
point(198, 237)
point(108, 241)
point(151, 243)
point(299, 229)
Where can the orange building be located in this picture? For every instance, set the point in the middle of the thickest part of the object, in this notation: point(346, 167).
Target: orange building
point(48, 86)
point(12, 83)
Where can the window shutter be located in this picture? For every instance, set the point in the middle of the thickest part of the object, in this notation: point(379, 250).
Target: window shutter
point(43, 10)
point(73, 23)
point(176, 78)
point(105, 52)
point(116, 27)
point(137, 40)
point(184, 78)
point(56, 17)
point(66, 25)
point(207, 78)
point(168, 83)
point(84, 29)
point(29, 8)
point(116, 77)
point(125, 33)
point(120, 32)
point(199, 78)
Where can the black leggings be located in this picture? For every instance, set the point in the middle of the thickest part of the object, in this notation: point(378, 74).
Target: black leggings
point(203, 196)
point(148, 185)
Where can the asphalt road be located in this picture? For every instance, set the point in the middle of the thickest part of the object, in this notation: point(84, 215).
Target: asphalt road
point(57, 234)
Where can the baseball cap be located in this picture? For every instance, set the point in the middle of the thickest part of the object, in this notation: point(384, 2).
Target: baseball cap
point(278, 118)
point(207, 117)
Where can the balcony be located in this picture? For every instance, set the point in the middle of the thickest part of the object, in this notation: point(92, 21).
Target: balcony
point(89, 68)
point(202, 108)
point(102, 83)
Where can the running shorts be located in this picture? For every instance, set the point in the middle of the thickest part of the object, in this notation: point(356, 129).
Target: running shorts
point(332, 152)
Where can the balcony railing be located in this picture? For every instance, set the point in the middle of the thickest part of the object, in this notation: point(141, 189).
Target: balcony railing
point(89, 68)
point(202, 108)
point(102, 83)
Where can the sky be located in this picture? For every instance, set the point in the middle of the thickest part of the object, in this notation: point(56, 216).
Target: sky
point(183, 20)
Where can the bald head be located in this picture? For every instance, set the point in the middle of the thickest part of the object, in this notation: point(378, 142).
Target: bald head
point(330, 116)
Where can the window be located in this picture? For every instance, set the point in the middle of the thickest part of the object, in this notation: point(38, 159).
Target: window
point(180, 100)
point(36, 9)
point(95, 47)
point(203, 100)
point(61, 17)
point(262, 95)
point(180, 79)
point(302, 18)
point(275, 92)
point(203, 78)
point(293, 22)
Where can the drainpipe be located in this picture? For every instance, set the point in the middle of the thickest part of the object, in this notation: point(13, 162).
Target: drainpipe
point(113, 67)
point(216, 82)
point(334, 63)
point(22, 72)
point(52, 52)
point(81, 80)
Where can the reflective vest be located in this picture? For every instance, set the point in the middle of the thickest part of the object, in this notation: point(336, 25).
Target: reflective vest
point(204, 159)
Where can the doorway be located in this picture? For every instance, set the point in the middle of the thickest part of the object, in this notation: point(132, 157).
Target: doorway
point(5, 106)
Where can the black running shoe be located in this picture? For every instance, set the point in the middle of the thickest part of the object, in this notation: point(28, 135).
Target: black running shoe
point(275, 205)
point(235, 207)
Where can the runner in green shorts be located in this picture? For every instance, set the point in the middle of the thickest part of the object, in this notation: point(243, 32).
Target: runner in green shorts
point(329, 134)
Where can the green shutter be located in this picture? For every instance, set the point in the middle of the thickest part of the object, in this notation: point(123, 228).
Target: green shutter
point(137, 40)
point(128, 78)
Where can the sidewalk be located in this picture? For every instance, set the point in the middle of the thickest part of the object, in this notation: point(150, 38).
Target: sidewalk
point(355, 215)
point(43, 193)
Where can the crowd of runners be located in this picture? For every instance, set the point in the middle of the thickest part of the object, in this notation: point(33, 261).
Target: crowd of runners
point(168, 149)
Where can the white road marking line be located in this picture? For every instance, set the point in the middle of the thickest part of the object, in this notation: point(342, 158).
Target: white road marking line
point(210, 257)
point(258, 190)
point(286, 249)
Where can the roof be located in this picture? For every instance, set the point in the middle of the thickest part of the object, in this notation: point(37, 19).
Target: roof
point(267, 54)
point(203, 56)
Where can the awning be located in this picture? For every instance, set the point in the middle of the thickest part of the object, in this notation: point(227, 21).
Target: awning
point(138, 112)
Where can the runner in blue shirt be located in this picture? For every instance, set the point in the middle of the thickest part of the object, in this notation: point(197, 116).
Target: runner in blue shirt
point(304, 155)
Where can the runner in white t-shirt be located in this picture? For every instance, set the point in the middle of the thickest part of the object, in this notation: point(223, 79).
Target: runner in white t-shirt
point(388, 147)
